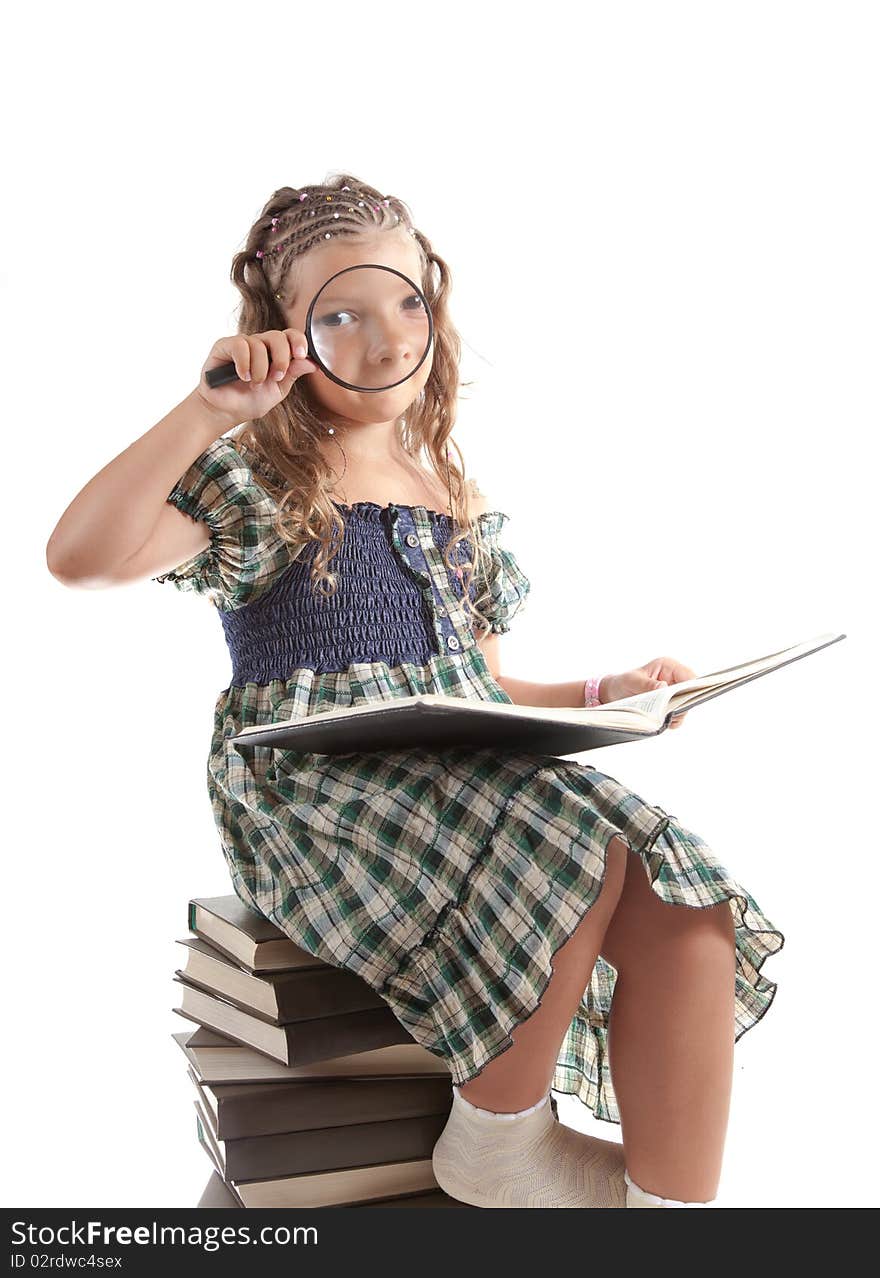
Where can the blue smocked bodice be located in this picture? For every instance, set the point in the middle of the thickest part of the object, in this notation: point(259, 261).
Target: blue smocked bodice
point(391, 603)
point(397, 620)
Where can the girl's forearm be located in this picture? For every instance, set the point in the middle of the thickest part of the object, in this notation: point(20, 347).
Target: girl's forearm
point(558, 695)
point(114, 514)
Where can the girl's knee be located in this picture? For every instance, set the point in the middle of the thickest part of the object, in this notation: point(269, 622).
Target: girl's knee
point(646, 928)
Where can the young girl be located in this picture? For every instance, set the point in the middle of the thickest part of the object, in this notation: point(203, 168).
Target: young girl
point(528, 919)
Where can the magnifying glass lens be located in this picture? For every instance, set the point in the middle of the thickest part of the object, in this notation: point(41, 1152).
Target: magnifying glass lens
point(369, 327)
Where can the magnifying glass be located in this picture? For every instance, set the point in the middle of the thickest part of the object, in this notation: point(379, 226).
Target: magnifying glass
point(364, 325)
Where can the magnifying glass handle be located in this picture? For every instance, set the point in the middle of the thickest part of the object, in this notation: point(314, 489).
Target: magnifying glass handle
point(221, 375)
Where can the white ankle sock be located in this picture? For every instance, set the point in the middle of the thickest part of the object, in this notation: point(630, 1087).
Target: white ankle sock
point(638, 1197)
point(526, 1158)
point(490, 1113)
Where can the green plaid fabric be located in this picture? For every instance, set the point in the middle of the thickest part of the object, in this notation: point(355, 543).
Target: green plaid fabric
point(247, 555)
point(446, 879)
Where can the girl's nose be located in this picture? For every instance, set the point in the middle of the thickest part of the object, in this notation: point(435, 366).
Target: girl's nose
point(390, 346)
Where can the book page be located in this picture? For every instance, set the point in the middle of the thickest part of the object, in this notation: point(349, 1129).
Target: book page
point(654, 703)
point(677, 696)
point(758, 662)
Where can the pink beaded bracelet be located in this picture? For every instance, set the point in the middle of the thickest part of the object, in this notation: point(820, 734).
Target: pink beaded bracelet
point(591, 692)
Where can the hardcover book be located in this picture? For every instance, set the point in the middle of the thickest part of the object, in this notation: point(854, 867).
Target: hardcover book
point(293, 1042)
point(435, 720)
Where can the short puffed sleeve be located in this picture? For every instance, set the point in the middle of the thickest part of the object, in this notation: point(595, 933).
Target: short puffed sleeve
point(498, 589)
point(246, 553)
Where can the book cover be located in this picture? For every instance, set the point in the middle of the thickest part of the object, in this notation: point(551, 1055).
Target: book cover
point(336, 1149)
point(238, 1110)
point(296, 1042)
point(436, 720)
point(343, 1188)
point(297, 995)
point(218, 1059)
point(245, 935)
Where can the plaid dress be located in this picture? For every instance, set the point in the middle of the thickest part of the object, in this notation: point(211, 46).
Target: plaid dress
point(446, 879)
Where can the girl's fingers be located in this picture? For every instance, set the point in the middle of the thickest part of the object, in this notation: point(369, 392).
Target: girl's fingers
point(259, 360)
point(296, 344)
point(279, 352)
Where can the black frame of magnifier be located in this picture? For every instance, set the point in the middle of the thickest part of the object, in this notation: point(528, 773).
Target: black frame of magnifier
point(313, 354)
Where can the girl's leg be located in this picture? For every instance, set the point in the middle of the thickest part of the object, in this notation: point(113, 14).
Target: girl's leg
point(522, 1075)
point(671, 1037)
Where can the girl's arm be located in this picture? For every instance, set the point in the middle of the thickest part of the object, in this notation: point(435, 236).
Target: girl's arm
point(561, 695)
point(115, 514)
point(524, 693)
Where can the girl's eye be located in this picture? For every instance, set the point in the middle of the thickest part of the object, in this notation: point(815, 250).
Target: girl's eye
point(328, 321)
point(333, 319)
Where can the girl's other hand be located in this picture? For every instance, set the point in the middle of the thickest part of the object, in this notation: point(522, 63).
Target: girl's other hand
point(267, 365)
point(654, 674)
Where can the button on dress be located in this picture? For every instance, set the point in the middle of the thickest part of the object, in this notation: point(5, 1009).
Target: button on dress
point(446, 879)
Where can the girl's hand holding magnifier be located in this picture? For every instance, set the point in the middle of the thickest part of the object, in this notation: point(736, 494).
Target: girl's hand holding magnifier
point(267, 365)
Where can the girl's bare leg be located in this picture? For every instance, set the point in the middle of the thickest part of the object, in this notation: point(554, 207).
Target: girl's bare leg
point(671, 1037)
point(522, 1075)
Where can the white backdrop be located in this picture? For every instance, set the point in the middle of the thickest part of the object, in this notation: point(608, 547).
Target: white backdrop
point(659, 226)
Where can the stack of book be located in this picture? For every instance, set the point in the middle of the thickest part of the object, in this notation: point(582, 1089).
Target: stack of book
point(308, 1090)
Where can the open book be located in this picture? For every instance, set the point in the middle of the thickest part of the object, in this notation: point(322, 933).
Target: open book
point(435, 720)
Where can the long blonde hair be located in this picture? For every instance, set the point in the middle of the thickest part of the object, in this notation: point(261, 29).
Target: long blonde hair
point(292, 466)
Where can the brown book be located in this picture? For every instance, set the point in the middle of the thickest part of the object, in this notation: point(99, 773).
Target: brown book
point(328, 1186)
point(261, 1109)
point(317, 1149)
point(295, 1042)
point(309, 1191)
point(246, 936)
point(217, 1059)
point(298, 995)
point(217, 1193)
point(433, 1198)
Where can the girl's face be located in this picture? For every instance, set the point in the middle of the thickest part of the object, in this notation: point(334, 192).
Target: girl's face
point(390, 357)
